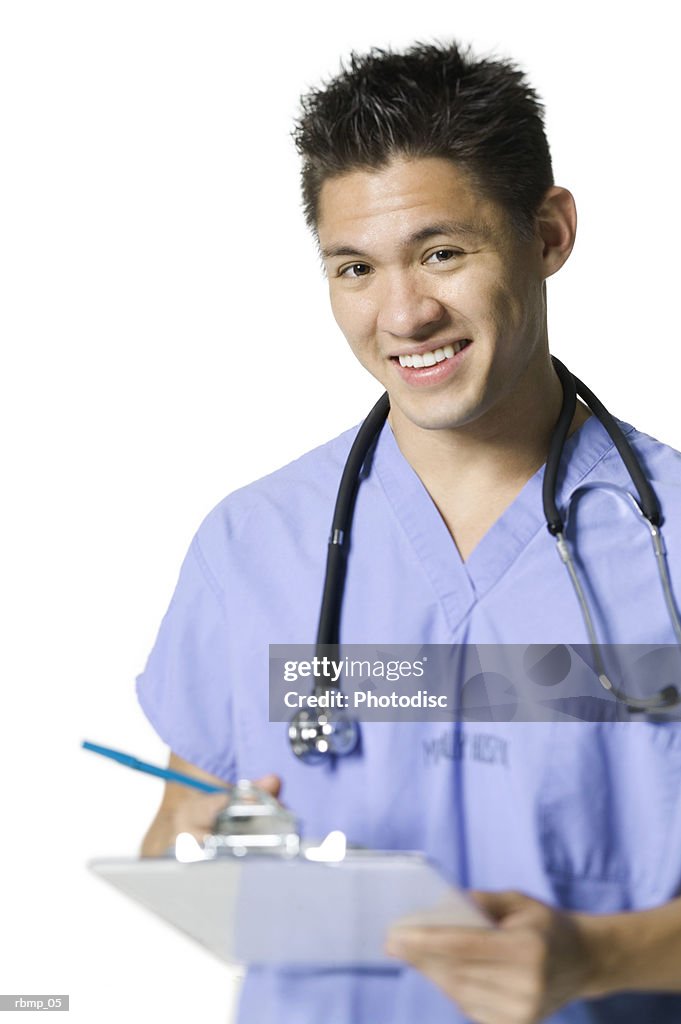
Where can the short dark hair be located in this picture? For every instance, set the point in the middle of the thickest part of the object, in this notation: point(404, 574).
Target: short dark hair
point(432, 100)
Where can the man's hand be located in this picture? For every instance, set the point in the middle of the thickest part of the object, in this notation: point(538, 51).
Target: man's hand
point(189, 810)
point(535, 961)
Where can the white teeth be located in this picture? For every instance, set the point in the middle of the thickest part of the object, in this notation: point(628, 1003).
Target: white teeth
point(431, 358)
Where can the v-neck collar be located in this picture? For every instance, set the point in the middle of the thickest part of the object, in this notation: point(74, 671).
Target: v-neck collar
point(460, 584)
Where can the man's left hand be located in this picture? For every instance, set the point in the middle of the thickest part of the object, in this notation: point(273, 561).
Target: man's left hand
point(520, 972)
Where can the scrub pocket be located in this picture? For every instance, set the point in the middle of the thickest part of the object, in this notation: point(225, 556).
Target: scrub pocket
point(610, 814)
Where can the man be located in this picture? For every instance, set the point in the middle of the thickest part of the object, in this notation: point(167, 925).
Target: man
point(427, 182)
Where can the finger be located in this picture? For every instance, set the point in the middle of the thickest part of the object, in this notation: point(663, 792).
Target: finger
point(480, 999)
point(270, 783)
point(512, 983)
point(506, 981)
point(416, 944)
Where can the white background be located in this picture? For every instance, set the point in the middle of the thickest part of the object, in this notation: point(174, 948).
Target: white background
point(166, 338)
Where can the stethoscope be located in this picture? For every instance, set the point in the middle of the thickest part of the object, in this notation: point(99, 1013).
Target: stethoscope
point(316, 736)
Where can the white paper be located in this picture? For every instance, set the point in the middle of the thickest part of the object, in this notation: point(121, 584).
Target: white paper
point(266, 910)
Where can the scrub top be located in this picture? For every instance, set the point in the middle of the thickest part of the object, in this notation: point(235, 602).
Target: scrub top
point(582, 815)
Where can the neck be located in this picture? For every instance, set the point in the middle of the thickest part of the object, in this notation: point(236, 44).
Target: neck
point(474, 471)
point(509, 441)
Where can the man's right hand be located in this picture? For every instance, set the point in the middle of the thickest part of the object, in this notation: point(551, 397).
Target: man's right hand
point(184, 809)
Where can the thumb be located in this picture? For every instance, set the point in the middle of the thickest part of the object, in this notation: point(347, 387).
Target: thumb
point(270, 783)
point(499, 905)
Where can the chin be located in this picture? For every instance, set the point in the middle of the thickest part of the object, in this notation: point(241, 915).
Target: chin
point(435, 418)
point(438, 423)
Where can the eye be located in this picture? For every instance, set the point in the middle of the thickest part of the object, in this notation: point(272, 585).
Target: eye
point(443, 256)
point(355, 270)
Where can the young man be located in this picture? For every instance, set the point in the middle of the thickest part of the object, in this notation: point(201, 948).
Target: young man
point(427, 182)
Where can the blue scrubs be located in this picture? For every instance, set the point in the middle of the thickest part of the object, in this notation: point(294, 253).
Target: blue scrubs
point(582, 815)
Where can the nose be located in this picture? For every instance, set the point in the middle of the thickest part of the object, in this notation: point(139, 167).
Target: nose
point(407, 307)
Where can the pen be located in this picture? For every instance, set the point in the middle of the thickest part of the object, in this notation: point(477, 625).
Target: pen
point(152, 769)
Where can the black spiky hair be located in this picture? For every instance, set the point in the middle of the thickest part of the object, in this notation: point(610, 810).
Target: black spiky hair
point(432, 100)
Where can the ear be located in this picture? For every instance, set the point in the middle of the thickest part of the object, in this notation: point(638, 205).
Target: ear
point(557, 226)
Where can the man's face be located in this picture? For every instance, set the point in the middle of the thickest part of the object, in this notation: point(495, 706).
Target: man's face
point(421, 266)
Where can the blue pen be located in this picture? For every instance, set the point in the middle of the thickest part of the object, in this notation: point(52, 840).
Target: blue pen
point(152, 769)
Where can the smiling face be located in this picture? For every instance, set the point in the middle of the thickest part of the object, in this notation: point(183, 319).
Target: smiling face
point(435, 292)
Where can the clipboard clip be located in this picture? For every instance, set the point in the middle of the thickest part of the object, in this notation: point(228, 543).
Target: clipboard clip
point(253, 822)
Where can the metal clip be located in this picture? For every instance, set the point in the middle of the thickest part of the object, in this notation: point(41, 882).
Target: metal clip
point(253, 822)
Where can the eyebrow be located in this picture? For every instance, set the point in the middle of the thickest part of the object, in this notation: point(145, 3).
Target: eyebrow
point(472, 232)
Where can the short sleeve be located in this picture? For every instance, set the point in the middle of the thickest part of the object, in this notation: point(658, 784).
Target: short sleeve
point(183, 689)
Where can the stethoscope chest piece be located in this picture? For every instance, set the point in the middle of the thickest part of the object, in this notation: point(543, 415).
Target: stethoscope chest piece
point(314, 737)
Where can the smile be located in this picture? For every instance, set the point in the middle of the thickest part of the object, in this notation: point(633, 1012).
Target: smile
point(437, 355)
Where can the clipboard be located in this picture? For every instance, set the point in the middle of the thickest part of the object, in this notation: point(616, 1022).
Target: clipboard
point(265, 910)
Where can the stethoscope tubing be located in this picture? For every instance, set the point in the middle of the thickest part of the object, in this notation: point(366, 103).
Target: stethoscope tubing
point(306, 732)
point(573, 386)
point(334, 581)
